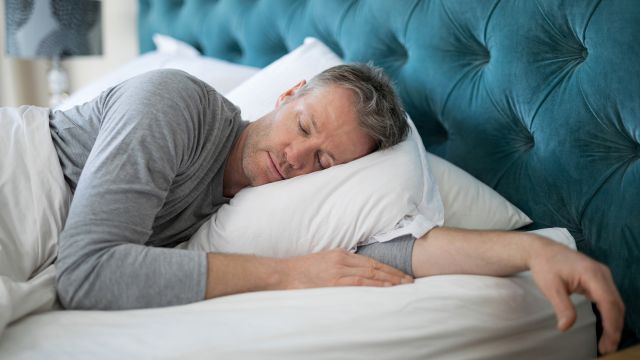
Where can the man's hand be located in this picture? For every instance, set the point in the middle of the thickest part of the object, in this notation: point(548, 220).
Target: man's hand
point(558, 271)
point(232, 274)
point(340, 268)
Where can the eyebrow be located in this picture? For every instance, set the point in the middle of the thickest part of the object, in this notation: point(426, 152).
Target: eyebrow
point(315, 129)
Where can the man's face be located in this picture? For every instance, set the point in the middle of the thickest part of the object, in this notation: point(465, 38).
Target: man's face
point(303, 135)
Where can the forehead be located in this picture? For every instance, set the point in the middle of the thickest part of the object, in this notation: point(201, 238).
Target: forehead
point(332, 110)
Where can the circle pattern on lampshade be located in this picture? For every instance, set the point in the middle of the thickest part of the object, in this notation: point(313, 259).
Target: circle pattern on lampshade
point(53, 28)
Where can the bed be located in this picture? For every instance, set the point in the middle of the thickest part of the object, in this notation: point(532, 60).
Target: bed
point(537, 99)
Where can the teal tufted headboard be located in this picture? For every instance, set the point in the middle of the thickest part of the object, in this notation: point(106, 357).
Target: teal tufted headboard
point(540, 99)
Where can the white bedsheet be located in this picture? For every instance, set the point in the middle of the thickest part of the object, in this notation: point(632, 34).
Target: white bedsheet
point(443, 317)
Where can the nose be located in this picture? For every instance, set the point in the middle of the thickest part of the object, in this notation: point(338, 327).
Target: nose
point(300, 157)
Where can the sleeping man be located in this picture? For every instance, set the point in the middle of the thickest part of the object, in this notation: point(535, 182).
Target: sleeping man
point(151, 159)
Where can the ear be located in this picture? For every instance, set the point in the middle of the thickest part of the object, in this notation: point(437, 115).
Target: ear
point(289, 92)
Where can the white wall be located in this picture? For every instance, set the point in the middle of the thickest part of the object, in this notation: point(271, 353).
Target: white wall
point(24, 81)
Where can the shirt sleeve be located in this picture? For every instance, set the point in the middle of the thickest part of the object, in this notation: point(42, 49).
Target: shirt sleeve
point(396, 252)
point(142, 144)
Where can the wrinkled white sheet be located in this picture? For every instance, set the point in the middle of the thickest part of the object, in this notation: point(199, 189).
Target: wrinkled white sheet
point(34, 201)
point(442, 317)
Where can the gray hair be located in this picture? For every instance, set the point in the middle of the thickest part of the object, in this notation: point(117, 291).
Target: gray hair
point(378, 106)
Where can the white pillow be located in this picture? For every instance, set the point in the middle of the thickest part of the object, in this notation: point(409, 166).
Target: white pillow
point(143, 63)
point(221, 75)
point(376, 198)
point(469, 203)
point(174, 54)
point(257, 96)
point(168, 45)
point(343, 206)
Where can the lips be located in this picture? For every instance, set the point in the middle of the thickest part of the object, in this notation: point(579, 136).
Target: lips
point(275, 167)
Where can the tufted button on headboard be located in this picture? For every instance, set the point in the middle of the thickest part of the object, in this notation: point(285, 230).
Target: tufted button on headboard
point(538, 99)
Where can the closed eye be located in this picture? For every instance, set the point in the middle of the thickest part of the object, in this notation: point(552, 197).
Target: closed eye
point(302, 130)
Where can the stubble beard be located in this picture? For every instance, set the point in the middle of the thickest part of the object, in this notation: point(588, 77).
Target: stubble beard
point(250, 154)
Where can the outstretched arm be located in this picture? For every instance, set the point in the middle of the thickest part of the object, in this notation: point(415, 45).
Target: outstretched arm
point(557, 270)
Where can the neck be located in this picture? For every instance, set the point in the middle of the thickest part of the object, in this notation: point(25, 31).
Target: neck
point(234, 179)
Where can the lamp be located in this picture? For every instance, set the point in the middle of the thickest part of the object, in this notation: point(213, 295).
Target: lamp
point(53, 29)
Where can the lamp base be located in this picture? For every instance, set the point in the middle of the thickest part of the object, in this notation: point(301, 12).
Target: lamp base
point(58, 83)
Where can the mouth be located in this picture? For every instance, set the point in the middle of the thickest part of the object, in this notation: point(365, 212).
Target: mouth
point(275, 167)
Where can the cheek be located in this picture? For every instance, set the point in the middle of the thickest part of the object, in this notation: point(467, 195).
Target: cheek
point(254, 165)
point(282, 134)
point(261, 135)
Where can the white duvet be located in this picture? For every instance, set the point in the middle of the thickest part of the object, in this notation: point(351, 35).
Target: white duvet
point(443, 317)
point(34, 201)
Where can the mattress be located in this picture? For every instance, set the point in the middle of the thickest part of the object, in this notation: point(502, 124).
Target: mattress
point(443, 317)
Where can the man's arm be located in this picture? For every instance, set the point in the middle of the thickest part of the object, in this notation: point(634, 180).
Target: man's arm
point(102, 263)
point(557, 270)
point(230, 274)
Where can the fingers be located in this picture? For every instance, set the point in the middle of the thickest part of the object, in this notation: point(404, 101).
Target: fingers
point(356, 260)
point(360, 281)
point(594, 281)
point(556, 291)
point(602, 291)
point(372, 273)
point(559, 272)
point(558, 295)
point(376, 274)
point(612, 329)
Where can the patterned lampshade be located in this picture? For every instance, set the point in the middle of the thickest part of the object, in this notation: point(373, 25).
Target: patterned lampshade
point(53, 28)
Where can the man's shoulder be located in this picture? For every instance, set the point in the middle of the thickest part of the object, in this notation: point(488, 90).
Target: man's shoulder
point(170, 79)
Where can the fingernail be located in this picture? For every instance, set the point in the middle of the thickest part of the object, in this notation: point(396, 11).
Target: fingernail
point(561, 323)
point(387, 284)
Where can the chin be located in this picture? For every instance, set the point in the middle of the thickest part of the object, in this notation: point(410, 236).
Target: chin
point(259, 177)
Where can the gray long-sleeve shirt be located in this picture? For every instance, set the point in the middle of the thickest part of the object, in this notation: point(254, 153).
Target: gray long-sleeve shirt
point(145, 160)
